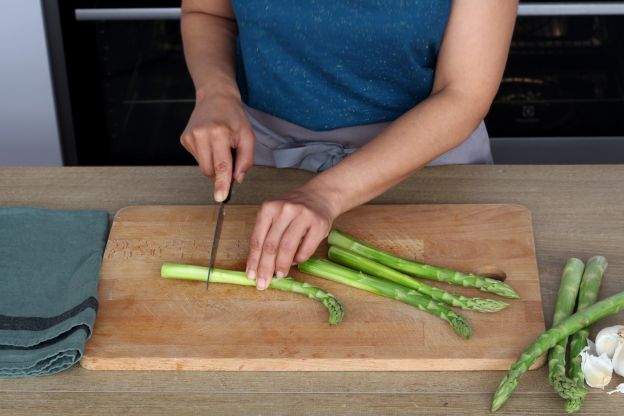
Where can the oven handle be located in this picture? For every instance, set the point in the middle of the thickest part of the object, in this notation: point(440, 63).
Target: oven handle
point(534, 9)
point(154, 13)
point(571, 9)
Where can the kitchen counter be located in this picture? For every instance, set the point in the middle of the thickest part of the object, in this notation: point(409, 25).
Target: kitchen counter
point(577, 211)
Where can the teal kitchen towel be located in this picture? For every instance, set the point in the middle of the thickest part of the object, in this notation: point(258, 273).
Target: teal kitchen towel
point(49, 270)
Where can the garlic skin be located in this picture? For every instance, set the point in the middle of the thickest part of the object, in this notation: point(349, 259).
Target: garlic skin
point(596, 370)
point(618, 389)
point(608, 339)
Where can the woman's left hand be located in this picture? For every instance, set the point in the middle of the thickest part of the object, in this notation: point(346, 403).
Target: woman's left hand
point(288, 230)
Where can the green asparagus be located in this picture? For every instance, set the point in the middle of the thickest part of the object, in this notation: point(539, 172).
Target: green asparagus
point(564, 307)
point(344, 275)
point(357, 262)
point(588, 293)
point(411, 267)
point(550, 338)
point(286, 284)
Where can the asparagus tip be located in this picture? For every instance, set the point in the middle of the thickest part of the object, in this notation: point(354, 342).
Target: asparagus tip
point(460, 325)
point(335, 308)
point(566, 388)
point(573, 405)
point(500, 288)
point(488, 305)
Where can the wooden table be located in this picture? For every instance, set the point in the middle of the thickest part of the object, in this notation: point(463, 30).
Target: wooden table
point(577, 211)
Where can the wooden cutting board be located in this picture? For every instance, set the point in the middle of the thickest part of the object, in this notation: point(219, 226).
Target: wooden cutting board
point(149, 323)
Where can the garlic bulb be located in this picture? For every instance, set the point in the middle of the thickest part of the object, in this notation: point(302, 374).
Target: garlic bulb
point(608, 340)
point(618, 359)
point(596, 370)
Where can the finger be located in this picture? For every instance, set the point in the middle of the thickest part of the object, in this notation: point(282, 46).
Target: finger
point(258, 235)
point(204, 158)
point(266, 266)
point(244, 153)
point(187, 143)
point(288, 246)
point(310, 242)
point(222, 162)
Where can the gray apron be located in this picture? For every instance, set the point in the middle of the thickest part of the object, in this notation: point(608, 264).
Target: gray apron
point(283, 144)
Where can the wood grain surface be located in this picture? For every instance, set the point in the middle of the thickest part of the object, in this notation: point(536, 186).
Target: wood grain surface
point(148, 323)
point(577, 211)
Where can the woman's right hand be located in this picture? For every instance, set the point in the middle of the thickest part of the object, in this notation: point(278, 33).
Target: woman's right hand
point(218, 123)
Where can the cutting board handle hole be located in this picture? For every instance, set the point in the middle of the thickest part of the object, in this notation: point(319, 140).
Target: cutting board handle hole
point(493, 272)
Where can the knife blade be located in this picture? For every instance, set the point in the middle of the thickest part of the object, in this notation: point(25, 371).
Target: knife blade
point(217, 230)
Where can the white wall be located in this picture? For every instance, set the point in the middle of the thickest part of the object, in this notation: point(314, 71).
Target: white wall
point(28, 127)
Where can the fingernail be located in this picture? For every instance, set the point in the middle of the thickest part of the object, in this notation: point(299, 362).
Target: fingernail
point(261, 284)
point(241, 177)
point(294, 263)
point(280, 274)
point(251, 275)
point(219, 196)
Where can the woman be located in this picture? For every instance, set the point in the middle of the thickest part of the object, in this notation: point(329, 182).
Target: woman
point(305, 83)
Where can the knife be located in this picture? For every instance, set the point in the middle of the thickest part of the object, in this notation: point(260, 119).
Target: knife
point(219, 223)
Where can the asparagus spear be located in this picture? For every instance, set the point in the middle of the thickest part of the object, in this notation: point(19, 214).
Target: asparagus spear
point(355, 261)
point(344, 275)
point(588, 293)
point(345, 241)
point(564, 307)
point(548, 339)
point(286, 284)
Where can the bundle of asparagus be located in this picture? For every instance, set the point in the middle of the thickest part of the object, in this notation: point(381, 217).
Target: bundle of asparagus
point(371, 269)
point(376, 271)
point(340, 239)
point(588, 294)
point(570, 386)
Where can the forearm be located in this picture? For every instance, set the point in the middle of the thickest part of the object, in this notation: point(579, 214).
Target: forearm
point(435, 126)
point(468, 71)
point(210, 50)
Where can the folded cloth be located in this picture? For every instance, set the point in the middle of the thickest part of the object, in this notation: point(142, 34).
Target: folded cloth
point(49, 269)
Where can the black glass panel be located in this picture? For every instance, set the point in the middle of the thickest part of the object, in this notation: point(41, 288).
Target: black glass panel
point(130, 90)
point(564, 77)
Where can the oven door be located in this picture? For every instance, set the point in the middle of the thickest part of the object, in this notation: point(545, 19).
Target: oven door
point(123, 90)
point(561, 99)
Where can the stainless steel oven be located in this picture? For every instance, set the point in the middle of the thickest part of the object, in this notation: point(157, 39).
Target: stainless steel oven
point(123, 93)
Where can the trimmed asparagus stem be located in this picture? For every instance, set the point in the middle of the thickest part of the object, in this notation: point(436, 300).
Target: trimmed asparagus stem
point(588, 294)
point(564, 307)
point(357, 262)
point(548, 339)
point(359, 280)
point(286, 284)
point(414, 268)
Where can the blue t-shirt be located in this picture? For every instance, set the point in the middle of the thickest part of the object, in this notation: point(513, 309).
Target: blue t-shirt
point(326, 64)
